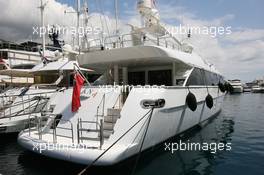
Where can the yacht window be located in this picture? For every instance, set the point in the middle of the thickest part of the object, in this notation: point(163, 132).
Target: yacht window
point(67, 80)
point(92, 77)
point(136, 78)
point(44, 79)
point(211, 78)
point(3, 55)
point(160, 77)
point(25, 66)
point(203, 77)
point(196, 78)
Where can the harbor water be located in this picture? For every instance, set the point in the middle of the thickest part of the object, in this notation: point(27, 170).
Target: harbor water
point(240, 123)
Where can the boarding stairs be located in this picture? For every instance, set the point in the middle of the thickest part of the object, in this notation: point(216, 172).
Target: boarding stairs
point(103, 127)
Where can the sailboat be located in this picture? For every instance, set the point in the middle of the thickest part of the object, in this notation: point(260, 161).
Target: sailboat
point(153, 87)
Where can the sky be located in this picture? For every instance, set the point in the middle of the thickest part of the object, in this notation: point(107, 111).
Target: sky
point(237, 55)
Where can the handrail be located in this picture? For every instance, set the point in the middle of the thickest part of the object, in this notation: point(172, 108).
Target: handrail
point(101, 130)
point(115, 142)
point(142, 39)
point(23, 111)
point(8, 45)
point(97, 109)
point(118, 99)
point(54, 123)
point(38, 123)
point(8, 102)
point(8, 96)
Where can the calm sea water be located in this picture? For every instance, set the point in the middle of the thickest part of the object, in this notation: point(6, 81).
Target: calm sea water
point(240, 123)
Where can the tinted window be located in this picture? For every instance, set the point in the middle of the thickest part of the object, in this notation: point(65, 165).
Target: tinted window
point(211, 78)
point(23, 66)
point(136, 78)
point(203, 77)
point(160, 77)
point(196, 78)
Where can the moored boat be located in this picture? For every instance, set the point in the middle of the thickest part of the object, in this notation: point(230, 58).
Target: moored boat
point(152, 88)
point(237, 86)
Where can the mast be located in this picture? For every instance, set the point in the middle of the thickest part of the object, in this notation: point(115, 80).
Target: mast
point(86, 22)
point(116, 16)
point(42, 8)
point(78, 23)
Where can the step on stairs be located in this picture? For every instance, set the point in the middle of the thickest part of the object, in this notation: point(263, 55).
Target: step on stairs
point(110, 120)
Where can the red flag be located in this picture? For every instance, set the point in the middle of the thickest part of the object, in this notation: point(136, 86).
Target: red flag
point(76, 102)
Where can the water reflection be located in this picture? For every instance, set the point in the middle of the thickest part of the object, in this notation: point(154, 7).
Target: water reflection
point(217, 130)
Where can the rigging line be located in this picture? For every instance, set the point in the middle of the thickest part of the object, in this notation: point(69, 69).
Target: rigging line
point(137, 134)
point(90, 165)
point(100, 16)
point(143, 140)
point(102, 11)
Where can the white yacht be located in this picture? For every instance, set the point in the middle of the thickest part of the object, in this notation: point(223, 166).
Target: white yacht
point(153, 87)
point(237, 86)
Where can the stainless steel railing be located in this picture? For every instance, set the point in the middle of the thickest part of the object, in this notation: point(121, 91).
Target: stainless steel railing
point(81, 129)
point(35, 123)
point(25, 105)
point(131, 39)
point(102, 103)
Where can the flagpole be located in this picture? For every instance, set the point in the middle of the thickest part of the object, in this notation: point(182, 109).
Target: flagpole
point(79, 71)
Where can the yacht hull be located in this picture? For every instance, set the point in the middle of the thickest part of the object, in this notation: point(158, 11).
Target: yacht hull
point(258, 90)
point(237, 90)
point(174, 119)
point(16, 124)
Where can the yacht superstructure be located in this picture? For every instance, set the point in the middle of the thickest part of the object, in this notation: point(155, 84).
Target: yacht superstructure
point(21, 105)
point(16, 61)
point(152, 88)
